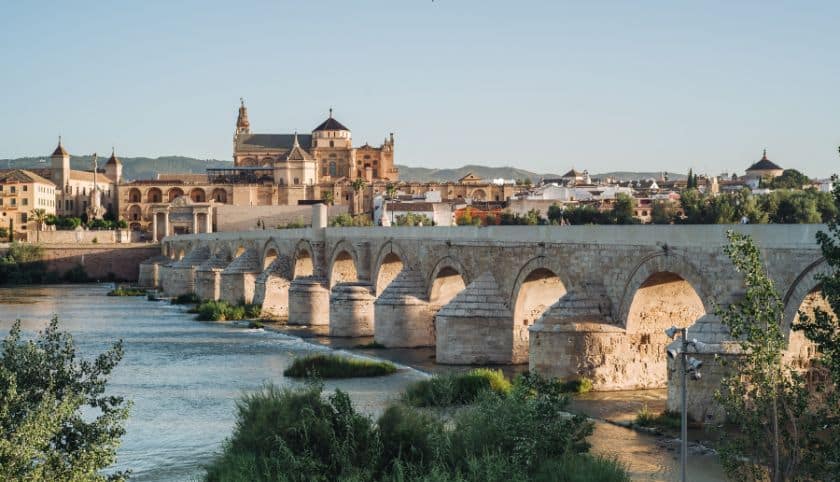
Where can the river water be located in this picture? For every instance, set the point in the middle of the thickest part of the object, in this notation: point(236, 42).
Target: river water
point(184, 377)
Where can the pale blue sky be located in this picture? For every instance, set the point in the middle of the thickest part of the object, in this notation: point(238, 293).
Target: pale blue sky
point(542, 85)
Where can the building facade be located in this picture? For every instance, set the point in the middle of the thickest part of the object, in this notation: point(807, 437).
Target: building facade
point(21, 192)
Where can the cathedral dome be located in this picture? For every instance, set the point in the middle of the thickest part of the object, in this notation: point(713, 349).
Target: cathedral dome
point(331, 125)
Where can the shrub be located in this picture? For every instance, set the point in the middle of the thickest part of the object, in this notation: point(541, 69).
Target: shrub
point(212, 310)
point(370, 345)
point(186, 299)
point(334, 366)
point(579, 385)
point(127, 292)
point(284, 434)
point(455, 389)
point(410, 436)
point(665, 420)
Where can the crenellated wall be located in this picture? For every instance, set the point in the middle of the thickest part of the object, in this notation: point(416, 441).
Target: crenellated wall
point(573, 301)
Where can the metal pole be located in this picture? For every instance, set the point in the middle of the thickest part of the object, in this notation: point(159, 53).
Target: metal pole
point(684, 424)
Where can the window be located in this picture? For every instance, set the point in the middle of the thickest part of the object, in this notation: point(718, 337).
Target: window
point(332, 144)
point(13, 189)
point(297, 181)
point(333, 169)
point(25, 202)
point(23, 218)
point(1, 201)
point(25, 188)
point(14, 202)
point(1, 187)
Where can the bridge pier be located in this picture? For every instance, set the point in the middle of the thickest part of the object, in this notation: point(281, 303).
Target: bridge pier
point(351, 310)
point(272, 292)
point(477, 327)
point(149, 276)
point(239, 277)
point(181, 274)
point(208, 276)
point(309, 302)
point(402, 317)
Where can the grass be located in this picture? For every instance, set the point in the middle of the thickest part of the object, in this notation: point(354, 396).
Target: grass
point(212, 310)
point(579, 385)
point(334, 366)
point(127, 292)
point(664, 420)
point(370, 345)
point(456, 388)
point(298, 434)
point(186, 299)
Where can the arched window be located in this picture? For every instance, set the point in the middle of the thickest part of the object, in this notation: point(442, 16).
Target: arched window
point(332, 144)
point(333, 169)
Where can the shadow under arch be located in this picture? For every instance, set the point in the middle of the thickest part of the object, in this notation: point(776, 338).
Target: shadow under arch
point(539, 284)
point(343, 265)
point(446, 280)
point(303, 260)
point(389, 262)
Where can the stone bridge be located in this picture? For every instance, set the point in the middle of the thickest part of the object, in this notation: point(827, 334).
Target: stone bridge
point(572, 301)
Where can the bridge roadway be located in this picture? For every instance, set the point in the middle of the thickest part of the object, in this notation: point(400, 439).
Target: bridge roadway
point(572, 301)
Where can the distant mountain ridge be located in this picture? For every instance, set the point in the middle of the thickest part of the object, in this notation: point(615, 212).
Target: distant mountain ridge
point(146, 167)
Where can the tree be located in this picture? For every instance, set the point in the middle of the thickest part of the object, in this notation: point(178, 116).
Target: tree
point(358, 185)
point(328, 198)
point(39, 217)
point(662, 212)
point(390, 190)
point(414, 219)
point(56, 423)
point(623, 210)
point(790, 179)
point(762, 397)
point(690, 182)
point(823, 328)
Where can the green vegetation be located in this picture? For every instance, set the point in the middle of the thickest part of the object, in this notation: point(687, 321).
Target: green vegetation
point(256, 324)
point(335, 366)
point(790, 179)
point(23, 264)
point(372, 344)
point(621, 213)
point(213, 310)
point(456, 388)
point(127, 292)
point(300, 435)
point(297, 223)
point(56, 422)
point(664, 420)
point(413, 219)
point(345, 220)
point(186, 299)
point(578, 385)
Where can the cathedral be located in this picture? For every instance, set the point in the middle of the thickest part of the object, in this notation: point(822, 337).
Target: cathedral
point(324, 156)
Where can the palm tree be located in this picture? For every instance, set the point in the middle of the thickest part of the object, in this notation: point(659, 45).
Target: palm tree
point(390, 190)
point(39, 216)
point(358, 186)
point(328, 197)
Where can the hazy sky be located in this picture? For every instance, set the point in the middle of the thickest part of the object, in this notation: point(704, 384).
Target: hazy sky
point(542, 85)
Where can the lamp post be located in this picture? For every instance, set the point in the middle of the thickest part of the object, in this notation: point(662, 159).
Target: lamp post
point(687, 365)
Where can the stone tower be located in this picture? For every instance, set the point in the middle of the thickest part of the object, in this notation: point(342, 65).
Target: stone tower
point(60, 163)
point(113, 168)
point(242, 124)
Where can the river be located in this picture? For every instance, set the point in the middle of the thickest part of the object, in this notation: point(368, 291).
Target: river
point(184, 377)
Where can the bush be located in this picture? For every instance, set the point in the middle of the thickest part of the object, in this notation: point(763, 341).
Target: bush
point(298, 435)
point(186, 299)
point(334, 366)
point(580, 385)
point(455, 389)
point(127, 292)
point(23, 264)
point(212, 310)
point(665, 420)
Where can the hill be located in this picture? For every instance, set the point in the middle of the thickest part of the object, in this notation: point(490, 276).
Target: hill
point(146, 167)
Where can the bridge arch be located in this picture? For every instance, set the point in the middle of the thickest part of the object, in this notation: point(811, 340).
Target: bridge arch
point(804, 286)
point(643, 277)
point(389, 262)
point(343, 264)
point(304, 259)
point(539, 284)
point(446, 280)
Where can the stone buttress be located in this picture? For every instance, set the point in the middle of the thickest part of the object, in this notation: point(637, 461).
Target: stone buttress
point(181, 274)
point(309, 301)
point(403, 317)
point(271, 289)
point(150, 271)
point(351, 309)
point(476, 326)
point(208, 277)
point(239, 276)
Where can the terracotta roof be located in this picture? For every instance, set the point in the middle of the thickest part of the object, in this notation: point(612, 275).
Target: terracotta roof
point(331, 125)
point(764, 164)
point(22, 175)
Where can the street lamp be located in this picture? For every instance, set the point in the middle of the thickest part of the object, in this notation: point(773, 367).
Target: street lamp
point(688, 365)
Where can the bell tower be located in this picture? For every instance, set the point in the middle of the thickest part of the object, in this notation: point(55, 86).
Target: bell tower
point(60, 163)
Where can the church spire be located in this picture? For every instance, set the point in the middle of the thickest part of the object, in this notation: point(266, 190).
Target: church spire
point(764, 156)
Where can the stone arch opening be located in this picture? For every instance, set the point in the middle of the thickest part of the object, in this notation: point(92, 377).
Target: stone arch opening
point(174, 193)
point(479, 195)
point(389, 268)
point(343, 269)
point(270, 255)
point(197, 195)
point(663, 300)
point(134, 195)
point(445, 285)
point(135, 213)
point(219, 195)
point(304, 265)
point(540, 289)
point(154, 195)
point(800, 351)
